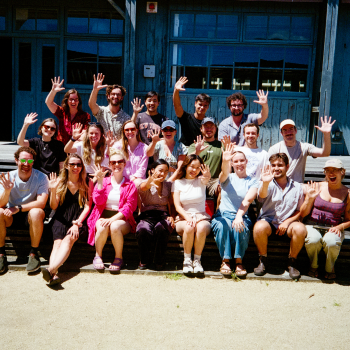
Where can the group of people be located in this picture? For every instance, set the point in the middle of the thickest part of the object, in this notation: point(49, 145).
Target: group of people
point(126, 174)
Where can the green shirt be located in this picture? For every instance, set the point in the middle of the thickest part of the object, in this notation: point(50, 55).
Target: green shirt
point(211, 156)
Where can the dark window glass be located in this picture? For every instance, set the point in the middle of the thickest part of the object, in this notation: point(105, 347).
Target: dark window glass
point(246, 57)
point(100, 23)
point(270, 79)
point(183, 25)
point(176, 73)
point(178, 57)
point(222, 55)
point(197, 77)
point(256, 27)
point(196, 55)
point(245, 79)
point(82, 51)
point(77, 22)
point(295, 80)
point(297, 57)
point(301, 28)
point(110, 52)
point(227, 27)
point(112, 73)
point(117, 26)
point(25, 19)
point(47, 67)
point(2, 19)
point(279, 28)
point(271, 57)
point(47, 20)
point(24, 66)
point(205, 26)
point(220, 78)
point(81, 72)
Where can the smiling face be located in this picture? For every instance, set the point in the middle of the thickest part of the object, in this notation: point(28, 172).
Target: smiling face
point(48, 129)
point(130, 130)
point(73, 102)
point(168, 133)
point(152, 104)
point(208, 131)
point(94, 135)
point(116, 164)
point(334, 175)
point(239, 163)
point(25, 168)
point(279, 168)
point(115, 98)
point(162, 170)
point(193, 169)
point(236, 107)
point(289, 134)
point(201, 107)
point(251, 136)
point(74, 166)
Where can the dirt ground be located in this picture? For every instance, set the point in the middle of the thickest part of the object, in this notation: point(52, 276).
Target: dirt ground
point(102, 311)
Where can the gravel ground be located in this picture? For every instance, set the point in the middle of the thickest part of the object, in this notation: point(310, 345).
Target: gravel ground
point(101, 311)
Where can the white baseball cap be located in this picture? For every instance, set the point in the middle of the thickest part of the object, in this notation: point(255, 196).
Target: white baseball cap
point(334, 163)
point(287, 122)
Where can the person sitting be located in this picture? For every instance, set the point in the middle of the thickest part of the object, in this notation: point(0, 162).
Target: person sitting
point(135, 152)
point(69, 113)
point(192, 223)
point(69, 197)
point(230, 225)
point(282, 198)
point(50, 152)
point(155, 221)
point(327, 210)
point(173, 152)
point(23, 196)
point(115, 199)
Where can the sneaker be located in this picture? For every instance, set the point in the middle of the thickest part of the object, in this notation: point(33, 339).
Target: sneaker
point(293, 272)
point(261, 269)
point(197, 267)
point(33, 263)
point(187, 266)
point(3, 263)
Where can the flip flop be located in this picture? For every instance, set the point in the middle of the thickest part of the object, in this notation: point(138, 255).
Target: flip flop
point(225, 269)
point(330, 276)
point(242, 272)
point(313, 272)
point(117, 264)
point(54, 281)
point(98, 261)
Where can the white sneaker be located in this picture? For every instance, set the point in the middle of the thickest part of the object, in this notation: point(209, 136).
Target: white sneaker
point(197, 267)
point(187, 266)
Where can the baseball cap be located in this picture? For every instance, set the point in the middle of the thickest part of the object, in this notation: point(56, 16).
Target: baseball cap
point(287, 122)
point(168, 123)
point(207, 120)
point(334, 163)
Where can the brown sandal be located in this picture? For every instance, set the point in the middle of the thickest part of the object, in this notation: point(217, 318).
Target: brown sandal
point(242, 272)
point(313, 272)
point(225, 269)
point(330, 276)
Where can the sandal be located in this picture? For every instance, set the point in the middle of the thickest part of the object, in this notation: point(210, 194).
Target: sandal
point(98, 262)
point(46, 275)
point(330, 276)
point(117, 264)
point(225, 269)
point(313, 272)
point(54, 280)
point(241, 272)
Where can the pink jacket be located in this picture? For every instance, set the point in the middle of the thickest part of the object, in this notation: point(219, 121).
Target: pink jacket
point(127, 204)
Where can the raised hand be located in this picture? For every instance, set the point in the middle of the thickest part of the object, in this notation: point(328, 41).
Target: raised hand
point(30, 118)
point(227, 154)
point(226, 140)
point(266, 174)
point(199, 145)
point(313, 189)
point(155, 176)
point(180, 83)
point(154, 134)
point(98, 82)
point(136, 105)
point(99, 174)
point(262, 97)
point(326, 125)
point(57, 84)
point(77, 131)
point(6, 182)
point(110, 138)
point(205, 172)
point(53, 181)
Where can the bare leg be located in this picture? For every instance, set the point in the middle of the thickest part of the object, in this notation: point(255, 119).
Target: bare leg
point(101, 237)
point(297, 233)
point(119, 229)
point(55, 248)
point(202, 231)
point(5, 221)
point(187, 233)
point(36, 218)
point(261, 234)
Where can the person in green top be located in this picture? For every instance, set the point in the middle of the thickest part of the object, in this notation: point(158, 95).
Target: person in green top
point(209, 149)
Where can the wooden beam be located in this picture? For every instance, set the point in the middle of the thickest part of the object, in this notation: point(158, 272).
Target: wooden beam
point(117, 8)
point(328, 61)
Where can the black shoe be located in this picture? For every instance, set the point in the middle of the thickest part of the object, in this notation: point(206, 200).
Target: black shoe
point(142, 266)
point(261, 269)
point(293, 272)
point(3, 263)
point(33, 263)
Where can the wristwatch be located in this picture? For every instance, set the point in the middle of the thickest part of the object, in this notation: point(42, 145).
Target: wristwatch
point(19, 208)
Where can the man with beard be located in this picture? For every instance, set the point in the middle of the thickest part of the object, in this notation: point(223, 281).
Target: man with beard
point(111, 117)
point(281, 199)
point(234, 124)
point(23, 195)
point(297, 151)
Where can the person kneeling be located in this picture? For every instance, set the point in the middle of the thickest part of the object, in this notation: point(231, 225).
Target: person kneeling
point(282, 198)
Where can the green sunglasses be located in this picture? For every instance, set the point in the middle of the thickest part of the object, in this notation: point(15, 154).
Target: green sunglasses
point(30, 161)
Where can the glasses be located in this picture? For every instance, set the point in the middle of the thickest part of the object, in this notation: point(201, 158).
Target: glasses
point(94, 123)
point(73, 100)
point(78, 165)
point(237, 106)
point(331, 170)
point(29, 161)
point(51, 128)
point(130, 130)
point(168, 129)
point(114, 162)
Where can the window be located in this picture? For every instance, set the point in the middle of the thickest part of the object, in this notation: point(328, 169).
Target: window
point(86, 58)
point(273, 52)
point(2, 19)
point(36, 20)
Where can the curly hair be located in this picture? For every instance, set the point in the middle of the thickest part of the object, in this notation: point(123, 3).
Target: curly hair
point(100, 148)
point(110, 88)
point(25, 149)
point(40, 132)
point(64, 103)
point(236, 96)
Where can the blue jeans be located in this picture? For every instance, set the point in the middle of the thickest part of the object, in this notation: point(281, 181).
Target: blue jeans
point(228, 239)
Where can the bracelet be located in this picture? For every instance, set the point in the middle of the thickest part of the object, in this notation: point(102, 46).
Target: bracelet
point(74, 140)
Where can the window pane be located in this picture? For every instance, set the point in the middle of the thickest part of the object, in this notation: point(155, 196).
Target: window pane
point(197, 77)
point(183, 25)
point(295, 80)
point(99, 23)
point(47, 67)
point(246, 57)
point(271, 57)
point(2, 19)
point(24, 66)
point(110, 52)
point(279, 27)
point(112, 73)
point(81, 73)
point(222, 55)
point(297, 58)
point(227, 27)
point(176, 73)
point(301, 28)
point(117, 26)
point(205, 26)
point(196, 55)
point(220, 78)
point(77, 22)
point(47, 20)
point(256, 28)
point(25, 19)
point(245, 79)
point(82, 51)
point(270, 79)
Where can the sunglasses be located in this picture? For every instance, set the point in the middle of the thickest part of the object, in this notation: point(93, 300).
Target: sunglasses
point(29, 161)
point(168, 129)
point(94, 123)
point(130, 130)
point(51, 128)
point(78, 165)
point(73, 100)
point(114, 162)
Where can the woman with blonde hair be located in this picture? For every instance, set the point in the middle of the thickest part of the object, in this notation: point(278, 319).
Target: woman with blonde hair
point(69, 196)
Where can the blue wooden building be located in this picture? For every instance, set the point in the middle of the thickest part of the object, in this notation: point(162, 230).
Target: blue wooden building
point(297, 50)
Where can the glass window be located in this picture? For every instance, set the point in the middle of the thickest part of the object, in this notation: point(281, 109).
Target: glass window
point(197, 77)
point(205, 26)
point(301, 28)
point(247, 56)
point(41, 20)
point(117, 25)
point(256, 27)
point(295, 80)
point(279, 27)
point(196, 55)
point(221, 78)
point(25, 19)
point(297, 57)
point(77, 22)
point(270, 79)
point(82, 50)
point(2, 19)
point(271, 57)
point(47, 67)
point(110, 51)
point(24, 66)
point(47, 20)
point(227, 27)
point(245, 79)
point(183, 25)
point(222, 55)
point(99, 23)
